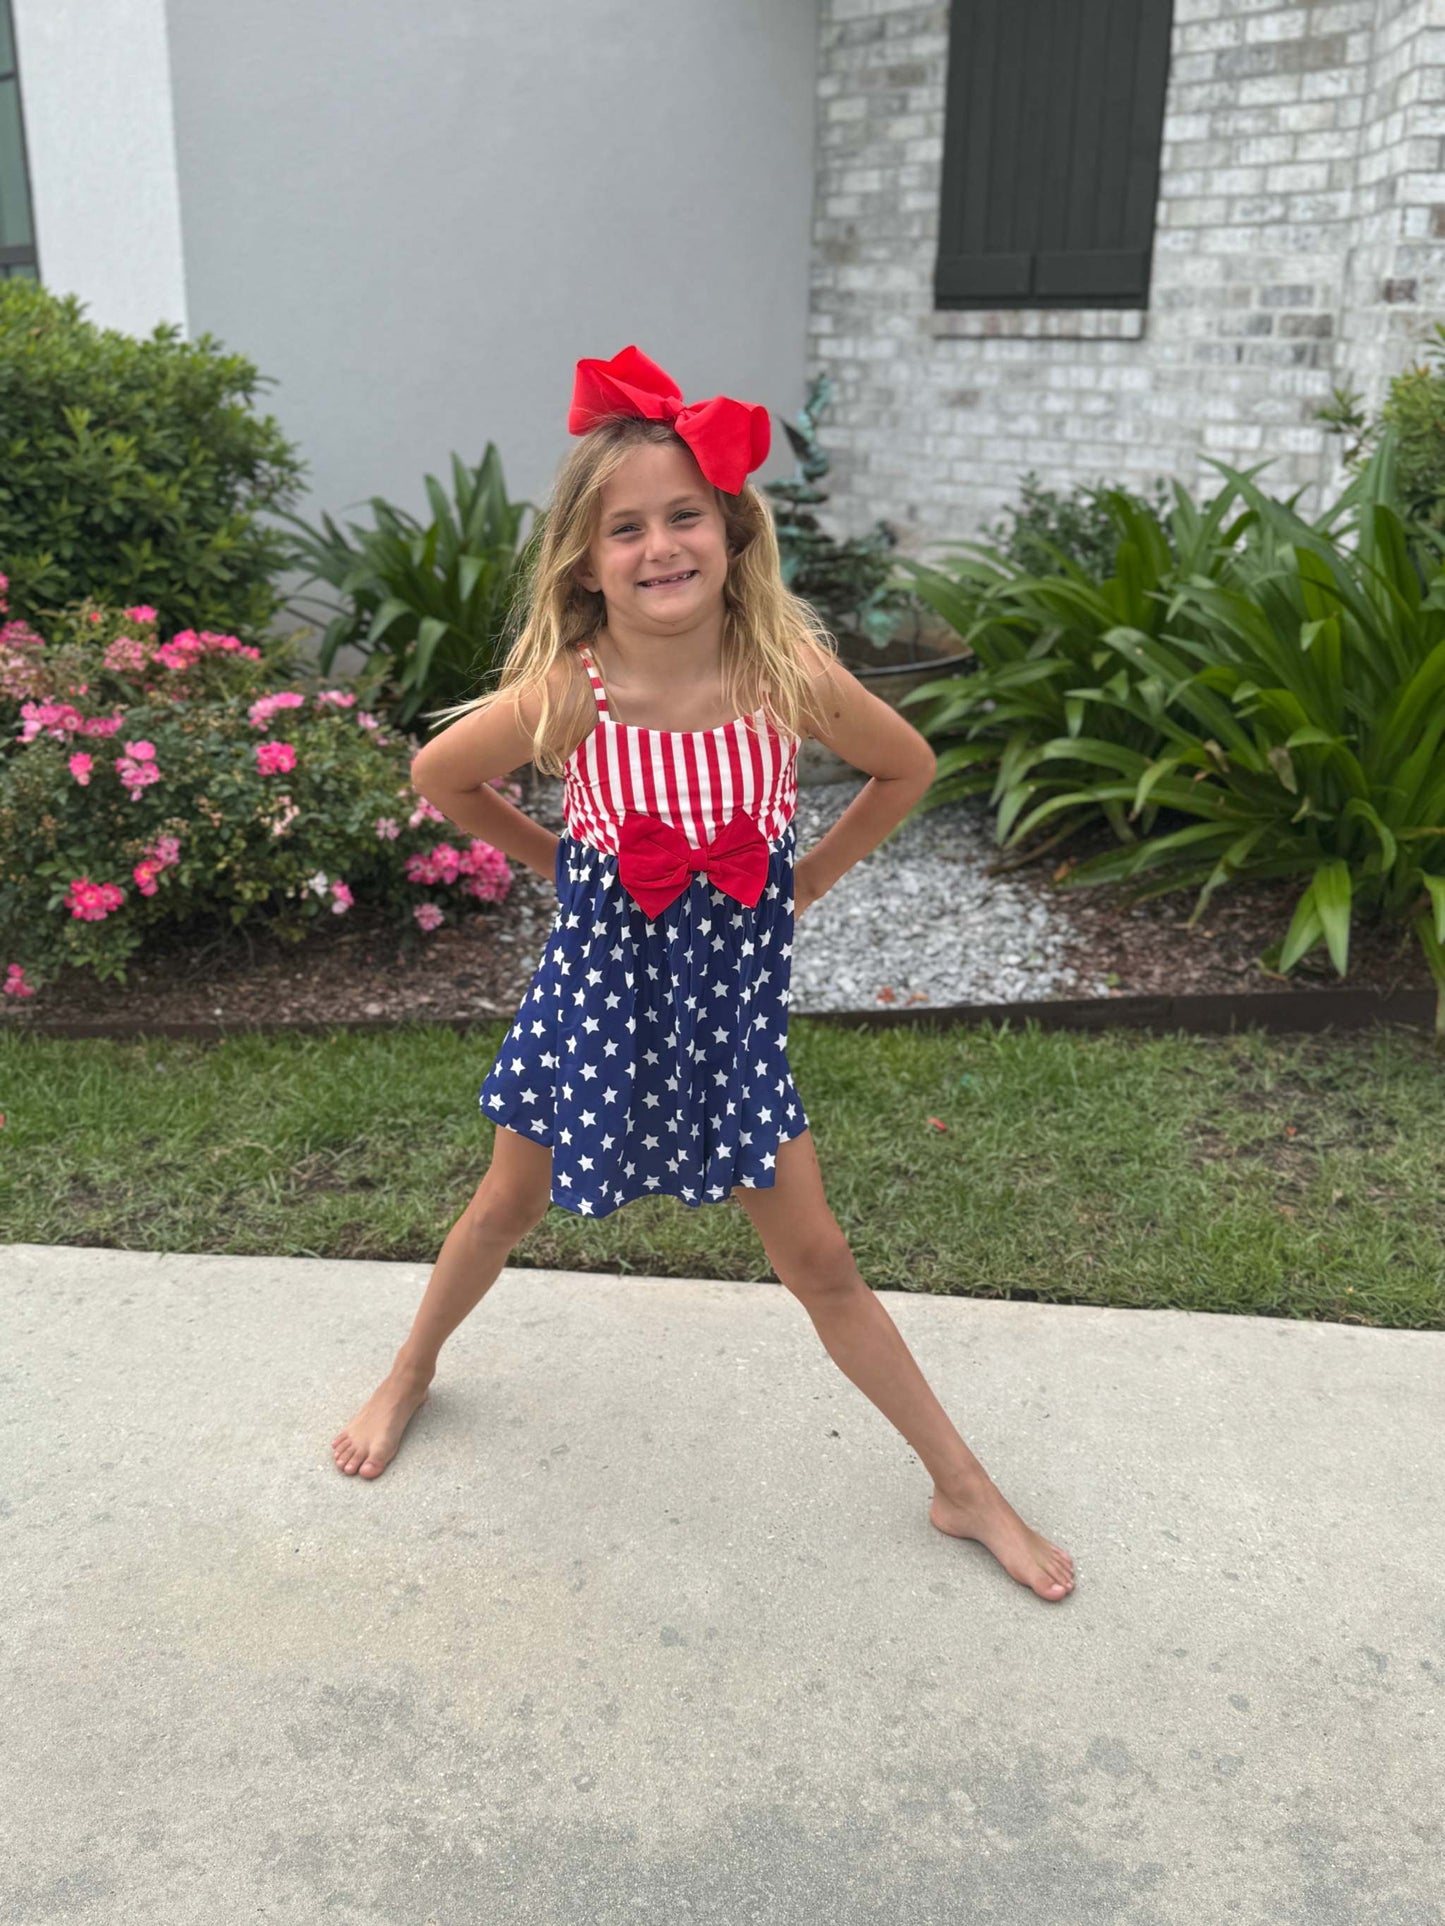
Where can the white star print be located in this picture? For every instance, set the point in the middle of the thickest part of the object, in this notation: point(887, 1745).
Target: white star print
point(704, 956)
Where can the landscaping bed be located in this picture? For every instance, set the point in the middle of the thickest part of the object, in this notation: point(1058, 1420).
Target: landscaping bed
point(919, 922)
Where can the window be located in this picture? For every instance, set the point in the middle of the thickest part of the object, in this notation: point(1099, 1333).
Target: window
point(1053, 117)
point(17, 233)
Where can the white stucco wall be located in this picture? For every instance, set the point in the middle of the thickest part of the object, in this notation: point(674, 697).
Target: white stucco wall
point(96, 92)
point(417, 218)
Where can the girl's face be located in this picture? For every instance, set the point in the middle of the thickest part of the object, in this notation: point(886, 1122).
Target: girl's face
point(659, 555)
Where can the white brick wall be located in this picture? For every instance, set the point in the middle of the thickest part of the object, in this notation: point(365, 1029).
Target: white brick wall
point(1299, 245)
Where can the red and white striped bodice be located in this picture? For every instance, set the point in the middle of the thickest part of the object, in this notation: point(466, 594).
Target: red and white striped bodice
point(695, 779)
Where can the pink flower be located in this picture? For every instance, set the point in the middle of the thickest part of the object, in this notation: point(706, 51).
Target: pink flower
point(15, 984)
point(19, 668)
point(189, 646)
point(79, 766)
point(442, 864)
point(126, 655)
point(142, 751)
point(264, 707)
point(337, 696)
point(136, 774)
point(160, 855)
point(387, 829)
point(142, 612)
point(428, 915)
point(50, 718)
point(92, 902)
point(488, 873)
point(95, 616)
point(275, 758)
point(341, 897)
point(367, 721)
point(101, 725)
point(424, 812)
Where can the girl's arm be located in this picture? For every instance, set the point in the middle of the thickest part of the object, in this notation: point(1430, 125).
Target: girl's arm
point(861, 728)
point(456, 769)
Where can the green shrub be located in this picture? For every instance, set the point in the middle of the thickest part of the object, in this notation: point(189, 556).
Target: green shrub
point(428, 603)
point(1271, 710)
point(1414, 407)
point(134, 471)
point(147, 784)
point(1079, 526)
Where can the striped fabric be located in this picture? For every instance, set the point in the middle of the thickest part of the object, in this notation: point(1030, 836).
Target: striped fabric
point(695, 779)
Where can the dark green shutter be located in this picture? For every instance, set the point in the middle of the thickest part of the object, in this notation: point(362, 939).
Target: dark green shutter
point(1054, 111)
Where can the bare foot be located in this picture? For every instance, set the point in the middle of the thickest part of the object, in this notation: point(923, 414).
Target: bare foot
point(369, 1442)
point(980, 1510)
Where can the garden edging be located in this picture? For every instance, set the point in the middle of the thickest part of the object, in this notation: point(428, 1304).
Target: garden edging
point(1284, 1012)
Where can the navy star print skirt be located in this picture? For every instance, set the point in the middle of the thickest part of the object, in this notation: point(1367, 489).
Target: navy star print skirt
point(651, 1055)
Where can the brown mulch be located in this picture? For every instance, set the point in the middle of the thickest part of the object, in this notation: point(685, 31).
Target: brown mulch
point(1149, 950)
point(362, 969)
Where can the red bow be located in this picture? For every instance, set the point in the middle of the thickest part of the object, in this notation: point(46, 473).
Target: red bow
point(656, 862)
point(728, 438)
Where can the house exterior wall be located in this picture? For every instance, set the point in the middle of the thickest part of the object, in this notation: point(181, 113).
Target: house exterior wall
point(95, 90)
point(417, 218)
point(1299, 245)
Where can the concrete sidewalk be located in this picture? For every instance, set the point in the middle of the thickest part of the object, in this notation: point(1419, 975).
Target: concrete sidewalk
point(646, 1621)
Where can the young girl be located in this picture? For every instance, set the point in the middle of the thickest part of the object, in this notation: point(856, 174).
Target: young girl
point(666, 672)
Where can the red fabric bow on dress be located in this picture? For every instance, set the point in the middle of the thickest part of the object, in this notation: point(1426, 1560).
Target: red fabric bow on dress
point(656, 863)
point(728, 438)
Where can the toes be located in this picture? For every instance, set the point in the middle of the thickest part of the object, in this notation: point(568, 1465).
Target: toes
point(1059, 1579)
point(372, 1467)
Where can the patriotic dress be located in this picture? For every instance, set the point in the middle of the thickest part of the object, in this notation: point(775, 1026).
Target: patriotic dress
point(650, 1050)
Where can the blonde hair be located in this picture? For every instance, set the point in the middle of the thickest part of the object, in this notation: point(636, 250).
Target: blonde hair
point(772, 639)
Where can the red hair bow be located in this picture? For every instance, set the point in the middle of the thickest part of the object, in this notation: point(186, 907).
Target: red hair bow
point(656, 862)
point(728, 438)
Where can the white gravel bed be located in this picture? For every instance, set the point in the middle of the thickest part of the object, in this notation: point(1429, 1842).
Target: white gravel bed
point(919, 919)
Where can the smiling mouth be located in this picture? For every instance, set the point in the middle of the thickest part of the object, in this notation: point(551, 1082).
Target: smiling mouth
point(669, 581)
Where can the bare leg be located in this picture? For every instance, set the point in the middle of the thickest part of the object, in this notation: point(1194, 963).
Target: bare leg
point(509, 1201)
point(807, 1249)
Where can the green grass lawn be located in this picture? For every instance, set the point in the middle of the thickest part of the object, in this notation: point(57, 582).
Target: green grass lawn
point(1293, 1177)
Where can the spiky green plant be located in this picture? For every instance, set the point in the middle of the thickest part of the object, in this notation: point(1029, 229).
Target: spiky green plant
point(1274, 705)
point(427, 601)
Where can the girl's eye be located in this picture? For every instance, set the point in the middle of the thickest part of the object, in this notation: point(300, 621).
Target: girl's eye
point(687, 514)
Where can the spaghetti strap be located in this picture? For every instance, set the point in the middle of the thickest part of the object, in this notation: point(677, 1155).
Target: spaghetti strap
point(599, 693)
